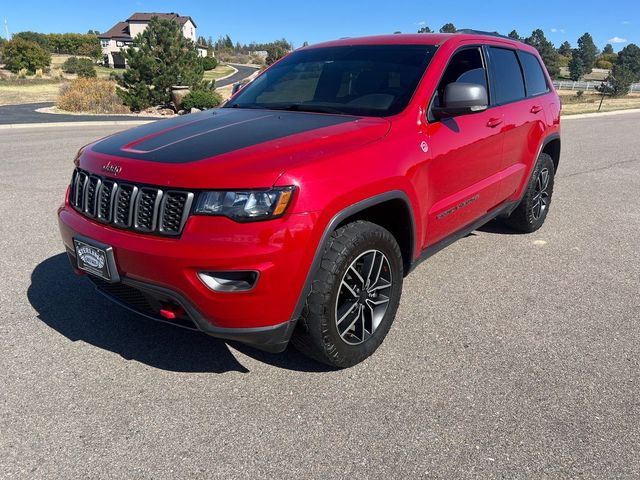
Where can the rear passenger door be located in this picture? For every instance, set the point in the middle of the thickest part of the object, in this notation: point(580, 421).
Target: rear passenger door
point(518, 84)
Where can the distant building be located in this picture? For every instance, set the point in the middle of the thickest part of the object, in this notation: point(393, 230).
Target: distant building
point(121, 35)
point(263, 54)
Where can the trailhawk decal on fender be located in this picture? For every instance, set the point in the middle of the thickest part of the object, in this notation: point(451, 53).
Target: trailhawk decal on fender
point(198, 136)
point(458, 207)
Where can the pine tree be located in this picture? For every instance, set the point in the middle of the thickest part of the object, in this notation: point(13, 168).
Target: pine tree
point(618, 82)
point(448, 28)
point(588, 52)
point(629, 58)
point(425, 29)
point(608, 49)
point(162, 57)
point(514, 35)
point(576, 67)
point(565, 49)
point(547, 51)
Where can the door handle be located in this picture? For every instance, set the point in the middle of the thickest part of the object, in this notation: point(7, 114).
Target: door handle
point(536, 109)
point(494, 122)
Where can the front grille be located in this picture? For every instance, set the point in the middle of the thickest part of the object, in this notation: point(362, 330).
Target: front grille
point(140, 208)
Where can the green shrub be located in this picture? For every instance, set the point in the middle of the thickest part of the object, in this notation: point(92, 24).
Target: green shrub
point(70, 65)
point(90, 95)
point(601, 63)
point(21, 54)
point(201, 99)
point(209, 63)
point(82, 66)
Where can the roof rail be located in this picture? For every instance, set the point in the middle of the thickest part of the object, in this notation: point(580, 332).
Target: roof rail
point(481, 32)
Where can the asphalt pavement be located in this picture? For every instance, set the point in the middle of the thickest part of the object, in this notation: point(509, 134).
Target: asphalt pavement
point(27, 113)
point(243, 71)
point(512, 356)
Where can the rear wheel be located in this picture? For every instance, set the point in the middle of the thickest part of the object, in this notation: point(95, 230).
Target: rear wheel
point(354, 296)
point(534, 207)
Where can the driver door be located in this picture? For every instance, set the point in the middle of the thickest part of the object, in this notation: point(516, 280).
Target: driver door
point(464, 171)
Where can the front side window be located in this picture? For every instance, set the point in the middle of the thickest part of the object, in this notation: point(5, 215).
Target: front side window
point(536, 80)
point(369, 80)
point(507, 76)
point(465, 66)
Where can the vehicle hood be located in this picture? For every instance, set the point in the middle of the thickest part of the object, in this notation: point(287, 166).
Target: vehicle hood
point(227, 148)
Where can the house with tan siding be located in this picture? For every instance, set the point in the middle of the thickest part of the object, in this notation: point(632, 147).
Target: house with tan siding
point(121, 35)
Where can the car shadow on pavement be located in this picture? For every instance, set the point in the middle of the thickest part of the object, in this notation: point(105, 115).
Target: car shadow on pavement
point(496, 226)
point(70, 305)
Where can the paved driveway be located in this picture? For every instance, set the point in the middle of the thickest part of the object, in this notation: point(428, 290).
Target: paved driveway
point(512, 356)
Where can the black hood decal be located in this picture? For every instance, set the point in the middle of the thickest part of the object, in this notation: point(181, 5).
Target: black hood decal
point(213, 132)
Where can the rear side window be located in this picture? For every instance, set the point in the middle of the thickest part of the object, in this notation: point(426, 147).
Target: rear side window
point(507, 75)
point(536, 81)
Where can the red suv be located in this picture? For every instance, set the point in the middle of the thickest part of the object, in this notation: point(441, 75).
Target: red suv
point(295, 211)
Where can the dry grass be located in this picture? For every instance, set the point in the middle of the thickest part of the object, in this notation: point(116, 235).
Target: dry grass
point(218, 72)
point(597, 75)
point(225, 92)
point(16, 93)
point(589, 102)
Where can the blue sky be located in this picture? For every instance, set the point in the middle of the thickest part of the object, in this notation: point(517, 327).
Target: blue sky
point(305, 20)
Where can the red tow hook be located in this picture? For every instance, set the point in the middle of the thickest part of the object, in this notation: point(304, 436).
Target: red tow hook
point(171, 312)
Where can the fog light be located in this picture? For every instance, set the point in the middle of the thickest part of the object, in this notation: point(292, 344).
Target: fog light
point(229, 281)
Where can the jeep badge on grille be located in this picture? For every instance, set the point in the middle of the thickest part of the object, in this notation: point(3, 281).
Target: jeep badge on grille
point(112, 168)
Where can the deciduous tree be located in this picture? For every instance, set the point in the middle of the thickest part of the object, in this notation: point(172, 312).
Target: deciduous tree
point(21, 54)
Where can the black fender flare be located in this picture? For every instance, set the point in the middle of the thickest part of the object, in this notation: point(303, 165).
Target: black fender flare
point(333, 224)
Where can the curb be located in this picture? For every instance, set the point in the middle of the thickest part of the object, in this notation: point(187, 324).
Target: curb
point(98, 123)
point(600, 114)
point(235, 70)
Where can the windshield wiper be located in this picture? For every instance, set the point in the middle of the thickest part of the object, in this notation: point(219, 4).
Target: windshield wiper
point(245, 105)
point(299, 107)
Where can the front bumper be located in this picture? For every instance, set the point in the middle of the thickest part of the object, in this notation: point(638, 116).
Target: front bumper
point(166, 268)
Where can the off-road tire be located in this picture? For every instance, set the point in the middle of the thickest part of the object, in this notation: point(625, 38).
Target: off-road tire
point(317, 334)
point(524, 217)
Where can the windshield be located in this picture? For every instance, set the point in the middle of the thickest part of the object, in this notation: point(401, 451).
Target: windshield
point(368, 80)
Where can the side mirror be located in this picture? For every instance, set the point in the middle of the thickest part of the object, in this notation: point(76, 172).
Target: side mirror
point(462, 99)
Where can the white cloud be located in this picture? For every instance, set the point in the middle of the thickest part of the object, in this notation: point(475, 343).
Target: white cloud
point(557, 30)
point(625, 22)
point(617, 40)
point(422, 23)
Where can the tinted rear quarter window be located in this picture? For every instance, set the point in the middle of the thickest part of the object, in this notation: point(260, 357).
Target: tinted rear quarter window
point(536, 81)
point(507, 75)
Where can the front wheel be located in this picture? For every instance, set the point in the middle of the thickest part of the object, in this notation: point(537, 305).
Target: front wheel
point(532, 211)
point(354, 296)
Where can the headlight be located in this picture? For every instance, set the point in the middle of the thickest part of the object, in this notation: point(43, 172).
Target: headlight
point(247, 205)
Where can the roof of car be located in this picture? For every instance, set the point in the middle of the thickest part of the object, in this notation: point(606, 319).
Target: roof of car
point(417, 39)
